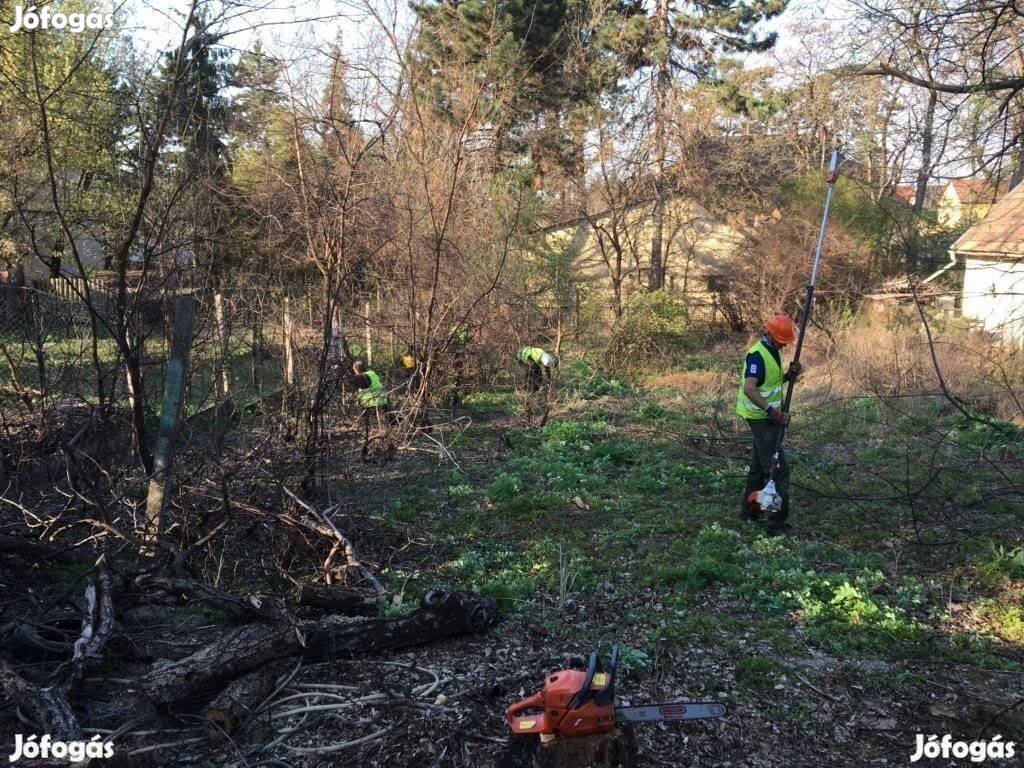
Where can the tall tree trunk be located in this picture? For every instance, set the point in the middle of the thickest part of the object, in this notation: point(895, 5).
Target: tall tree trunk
point(289, 347)
point(1018, 171)
point(367, 334)
point(657, 275)
point(222, 381)
point(924, 174)
point(174, 398)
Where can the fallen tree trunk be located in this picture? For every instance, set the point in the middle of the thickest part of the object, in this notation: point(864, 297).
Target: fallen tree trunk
point(40, 550)
point(265, 609)
point(237, 704)
point(335, 599)
point(441, 614)
point(47, 707)
point(193, 592)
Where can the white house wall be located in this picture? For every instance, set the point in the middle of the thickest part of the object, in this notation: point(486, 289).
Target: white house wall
point(993, 293)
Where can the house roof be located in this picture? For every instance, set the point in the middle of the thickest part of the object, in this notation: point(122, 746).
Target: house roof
point(1001, 232)
point(976, 191)
point(907, 193)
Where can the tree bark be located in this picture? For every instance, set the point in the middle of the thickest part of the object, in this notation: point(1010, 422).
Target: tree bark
point(657, 277)
point(442, 614)
point(924, 174)
point(615, 749)
point(174, 397)
point(289, 350)
point(222, 381)
point(47, 707)
point(237, 704)
point(337, 600)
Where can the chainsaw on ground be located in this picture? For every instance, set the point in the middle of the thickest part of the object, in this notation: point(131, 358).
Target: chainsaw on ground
point(575, 702)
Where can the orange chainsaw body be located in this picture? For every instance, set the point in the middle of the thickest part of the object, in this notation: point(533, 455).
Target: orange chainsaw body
point(551, 711)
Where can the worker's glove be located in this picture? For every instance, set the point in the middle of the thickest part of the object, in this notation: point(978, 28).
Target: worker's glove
point(795, 369)
point(775, 416)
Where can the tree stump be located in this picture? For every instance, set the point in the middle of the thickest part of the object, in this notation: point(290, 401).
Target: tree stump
point(616, 749)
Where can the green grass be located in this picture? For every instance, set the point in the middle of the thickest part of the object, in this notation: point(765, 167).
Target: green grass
point(758, 673)
point(70, 371)
point(666, 515)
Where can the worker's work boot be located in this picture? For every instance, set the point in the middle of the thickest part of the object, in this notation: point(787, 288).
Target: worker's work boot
point(776, 525)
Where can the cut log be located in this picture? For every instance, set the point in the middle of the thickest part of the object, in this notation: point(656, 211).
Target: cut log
point(237, 704)
point(605, 750)
point(47, 707)
point(441, 614)
point(231, 654)
point(336, 599)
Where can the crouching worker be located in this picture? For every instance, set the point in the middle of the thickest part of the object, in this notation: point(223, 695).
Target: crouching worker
point(410, 367)
point(759, 403)
point(371, 395)
point(538, 365)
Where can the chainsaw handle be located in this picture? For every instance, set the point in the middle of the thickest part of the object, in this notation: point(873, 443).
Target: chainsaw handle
point(606, 696)
point(531, 702)
point(584, 692)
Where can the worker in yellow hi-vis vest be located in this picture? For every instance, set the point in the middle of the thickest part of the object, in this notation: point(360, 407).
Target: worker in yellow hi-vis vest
point(538, 365)
point(759, 403)
point(372, 396)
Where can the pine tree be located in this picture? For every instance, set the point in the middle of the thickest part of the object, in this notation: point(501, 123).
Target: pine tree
point(684, 36)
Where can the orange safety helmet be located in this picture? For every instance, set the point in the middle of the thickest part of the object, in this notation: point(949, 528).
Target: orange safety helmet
point(782, 329)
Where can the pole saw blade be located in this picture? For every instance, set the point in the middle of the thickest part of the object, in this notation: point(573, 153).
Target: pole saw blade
point(662, 713)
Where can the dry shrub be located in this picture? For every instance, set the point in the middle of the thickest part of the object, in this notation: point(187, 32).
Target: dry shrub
point(686, 381)
point(890, 356)
point(771, 276)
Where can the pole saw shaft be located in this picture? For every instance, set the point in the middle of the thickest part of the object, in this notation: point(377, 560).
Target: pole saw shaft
point(833, 175)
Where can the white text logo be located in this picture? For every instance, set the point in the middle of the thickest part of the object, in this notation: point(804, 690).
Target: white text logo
point(31, 19)
point(75, 751)
point(978, 751)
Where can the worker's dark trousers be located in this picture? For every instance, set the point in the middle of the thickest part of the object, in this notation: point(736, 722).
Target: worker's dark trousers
point(766, 435)
point(534, 377)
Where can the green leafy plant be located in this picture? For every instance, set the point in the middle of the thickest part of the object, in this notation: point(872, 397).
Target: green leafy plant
point(757, 673)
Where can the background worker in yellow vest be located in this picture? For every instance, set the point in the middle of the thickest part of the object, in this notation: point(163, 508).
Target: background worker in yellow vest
point(759, 403)
point(410, 366)
point(370, 390)
point(372, 396)
point(538, 366)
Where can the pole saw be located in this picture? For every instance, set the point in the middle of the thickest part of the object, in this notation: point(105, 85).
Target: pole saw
point(768, 498)
point(577, 703)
